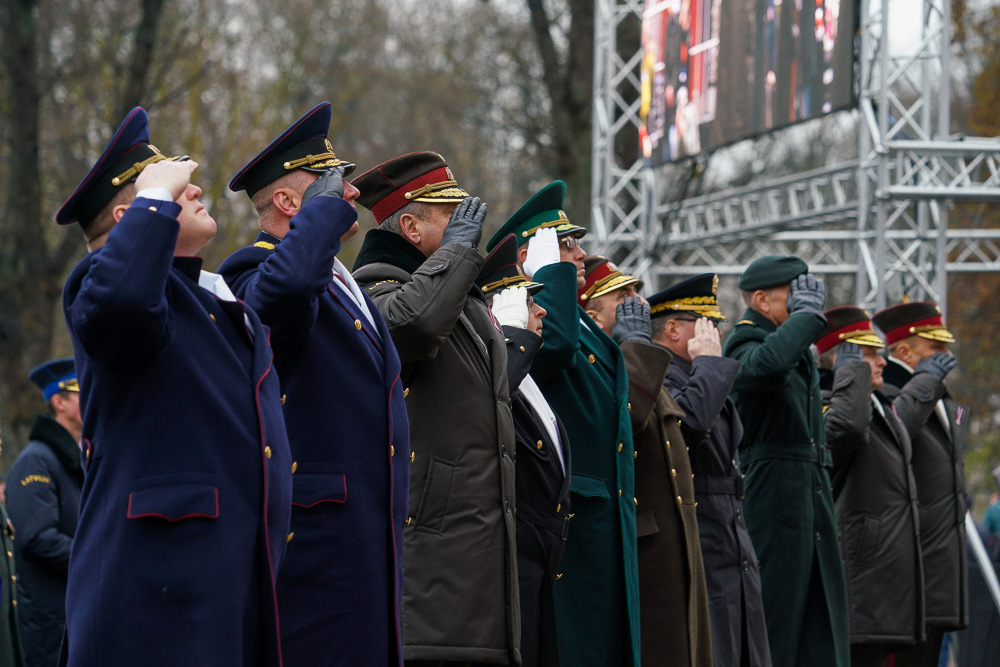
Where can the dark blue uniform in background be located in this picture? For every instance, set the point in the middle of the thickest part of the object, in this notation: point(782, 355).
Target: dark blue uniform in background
point(185, 507)
point(43, 499)
point(339, 589)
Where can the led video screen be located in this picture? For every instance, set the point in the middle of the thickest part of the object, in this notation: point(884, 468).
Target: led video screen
point(718, 71)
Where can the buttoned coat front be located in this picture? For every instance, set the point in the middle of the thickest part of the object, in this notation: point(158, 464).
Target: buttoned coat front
point(676, 629)
point(460, 598)
point(186, 499)
point(789, 503)
point(543, 506)
point(581, 372)
point(876, 500)
point(939, 469)
point(10, 635)
point(712, 432)
point(43, 500)
point(339, 587)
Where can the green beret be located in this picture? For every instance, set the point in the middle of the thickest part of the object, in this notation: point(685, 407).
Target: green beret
point(543, 210)
point(771, 271)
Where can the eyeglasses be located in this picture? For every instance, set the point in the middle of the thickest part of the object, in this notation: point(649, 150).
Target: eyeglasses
point(569, 242)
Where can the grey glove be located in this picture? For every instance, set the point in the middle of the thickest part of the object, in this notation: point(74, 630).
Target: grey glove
point(632, 321)
point(807, 295)
point(846, 353)
point(466, 224)
point(939, 365)
point(329, 184)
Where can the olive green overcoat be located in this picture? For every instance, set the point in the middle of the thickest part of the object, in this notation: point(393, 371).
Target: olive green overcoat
point(789, 504)
point(581, 372)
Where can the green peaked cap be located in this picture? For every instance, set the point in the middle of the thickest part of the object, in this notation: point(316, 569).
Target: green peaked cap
point(541, 211)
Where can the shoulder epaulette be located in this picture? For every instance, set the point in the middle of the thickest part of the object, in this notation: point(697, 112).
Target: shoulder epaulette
point(750, 322)
point(263, 244)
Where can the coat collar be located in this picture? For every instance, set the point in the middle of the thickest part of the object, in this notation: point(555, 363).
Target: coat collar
point(759, 320)
point(52, 434)
point(381, 246)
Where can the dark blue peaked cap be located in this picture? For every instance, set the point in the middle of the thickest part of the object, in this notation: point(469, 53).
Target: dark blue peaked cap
point(124, 158)
point(55, 376)
point(302, 146)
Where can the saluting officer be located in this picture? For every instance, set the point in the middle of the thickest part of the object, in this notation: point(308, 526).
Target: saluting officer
point(874, 489)
point(460, 598)
point(340, 584)
point(43, 502)
point(672, 594)
point(788, 503)
point(685, 319)
point(186, 499)
point(543, 454)
point(581, 373)
point(918, 340)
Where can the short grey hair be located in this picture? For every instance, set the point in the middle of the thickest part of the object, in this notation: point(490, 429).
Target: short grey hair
point(415, 208)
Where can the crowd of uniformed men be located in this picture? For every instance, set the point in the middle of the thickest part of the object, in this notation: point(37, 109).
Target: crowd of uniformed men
point(444, 458)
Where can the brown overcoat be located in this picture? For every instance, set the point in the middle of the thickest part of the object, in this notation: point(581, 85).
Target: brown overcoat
point(673, 601)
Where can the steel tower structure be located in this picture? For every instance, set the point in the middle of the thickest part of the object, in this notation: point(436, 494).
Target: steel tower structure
point(879, 221)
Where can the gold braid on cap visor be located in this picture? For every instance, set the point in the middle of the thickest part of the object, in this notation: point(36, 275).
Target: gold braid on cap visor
point(933, 332)
point(707, 306)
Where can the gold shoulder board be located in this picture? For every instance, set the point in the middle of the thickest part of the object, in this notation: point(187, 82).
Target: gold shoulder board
point(263, 244)
point(750, 322)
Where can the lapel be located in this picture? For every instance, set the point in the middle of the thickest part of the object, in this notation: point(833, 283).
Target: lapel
point(355, 313)
point(596, 342)
point(896, 428)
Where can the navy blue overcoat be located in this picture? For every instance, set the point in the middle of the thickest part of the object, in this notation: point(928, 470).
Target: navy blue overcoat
point(186, 499)
point(340, 585)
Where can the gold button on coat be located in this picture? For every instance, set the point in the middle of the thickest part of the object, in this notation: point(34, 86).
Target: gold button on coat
point(357, 324)
point(412, 455)
point(406, 392)
point(673, 472)
point(392, 450)
point(591, 358)
point(620, 445)
point(267, 452)
point(290, 536)
point(558, 507)
point(679, 500)
point(295, 466)
point(408, 520)
point(538, 445)
point(212, 316)
point(559, 576)
point(522, 348)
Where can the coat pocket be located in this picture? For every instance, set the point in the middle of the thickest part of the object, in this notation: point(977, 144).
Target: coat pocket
point(862, 539)
point(175, 502)
point(645, 524)
point(590, 487)
point(312, 487)
point(433, 505)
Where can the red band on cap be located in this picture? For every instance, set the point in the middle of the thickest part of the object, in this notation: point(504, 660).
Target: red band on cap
point(396, 199)
point(833, 338)
point(901, 332)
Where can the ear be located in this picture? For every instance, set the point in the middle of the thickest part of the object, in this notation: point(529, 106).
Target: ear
point(761, 303)
point(522, 254)
point(287, 201)
point(118, 211)
point(409, 227)
point(673, 330)
point(596, 316)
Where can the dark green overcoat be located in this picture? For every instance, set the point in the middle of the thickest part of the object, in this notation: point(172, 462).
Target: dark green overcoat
point(581, 372)
point(789, 504)
point(10, 639)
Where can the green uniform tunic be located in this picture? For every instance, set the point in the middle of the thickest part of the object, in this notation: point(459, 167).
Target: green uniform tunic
point(789, 505)
point(581, 372)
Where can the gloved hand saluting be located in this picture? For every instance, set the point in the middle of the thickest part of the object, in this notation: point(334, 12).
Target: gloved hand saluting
point(543, 249)
point(632, 321)
point(846, 353)
point(807, 295)
point(329, 184)
point(938, 365)
point(466, 224)
point(510, 307)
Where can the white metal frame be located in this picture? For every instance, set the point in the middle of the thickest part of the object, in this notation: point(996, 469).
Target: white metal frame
point(881, 218)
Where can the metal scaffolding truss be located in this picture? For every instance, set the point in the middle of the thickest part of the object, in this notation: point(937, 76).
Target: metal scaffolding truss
point(881, 218)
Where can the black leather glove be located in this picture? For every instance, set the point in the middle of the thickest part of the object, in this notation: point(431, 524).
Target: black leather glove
point(938, 365)
point(632, 321)
point(329, 184)
point(846, 353)
point(807, 295)
point(466, 223)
